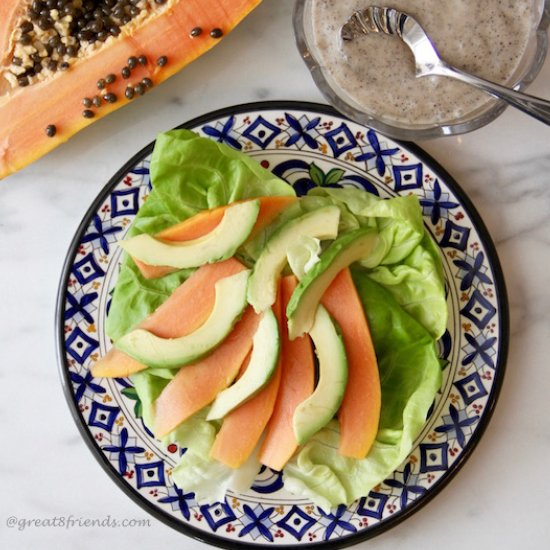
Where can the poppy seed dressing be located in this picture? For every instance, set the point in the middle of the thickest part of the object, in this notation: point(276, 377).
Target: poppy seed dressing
point(377, 71)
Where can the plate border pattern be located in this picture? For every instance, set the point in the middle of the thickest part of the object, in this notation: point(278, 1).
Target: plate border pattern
point(388, 522)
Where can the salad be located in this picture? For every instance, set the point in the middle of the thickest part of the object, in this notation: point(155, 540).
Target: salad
point(399, 284)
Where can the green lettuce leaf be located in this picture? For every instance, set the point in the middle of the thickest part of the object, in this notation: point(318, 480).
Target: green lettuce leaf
point(410, 375)
point(303, 254)
point(197, 472)
point(148, 387)
point(189, 174)
point(406, 261)
point(417, 284)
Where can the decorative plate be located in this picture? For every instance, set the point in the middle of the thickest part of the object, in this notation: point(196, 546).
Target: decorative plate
point(307, 145)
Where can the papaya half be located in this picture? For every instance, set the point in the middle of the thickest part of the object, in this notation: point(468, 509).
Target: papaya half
point(66, 63)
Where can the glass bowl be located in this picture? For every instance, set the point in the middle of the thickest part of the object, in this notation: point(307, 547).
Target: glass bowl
point(527, 70)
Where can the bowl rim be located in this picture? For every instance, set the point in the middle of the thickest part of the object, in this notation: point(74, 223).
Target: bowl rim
point(395, 131)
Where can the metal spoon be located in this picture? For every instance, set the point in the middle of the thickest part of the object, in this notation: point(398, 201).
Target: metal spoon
point(428, 62)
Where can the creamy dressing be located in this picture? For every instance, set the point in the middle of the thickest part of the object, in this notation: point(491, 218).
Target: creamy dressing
point(487, 38)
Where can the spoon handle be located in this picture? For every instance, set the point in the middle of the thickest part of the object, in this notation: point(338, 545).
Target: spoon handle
point(534, 106)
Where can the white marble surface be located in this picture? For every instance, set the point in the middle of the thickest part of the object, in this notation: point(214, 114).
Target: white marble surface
point(500, 499)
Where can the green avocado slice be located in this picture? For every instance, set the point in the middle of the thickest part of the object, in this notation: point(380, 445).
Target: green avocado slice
point(159, 353)
point(321, 223)
point(220, 244)
point(320, 407)
point(345, 250)
point(266, 348)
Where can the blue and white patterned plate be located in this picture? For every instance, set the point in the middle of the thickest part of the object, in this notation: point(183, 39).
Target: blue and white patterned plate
point(307, 145)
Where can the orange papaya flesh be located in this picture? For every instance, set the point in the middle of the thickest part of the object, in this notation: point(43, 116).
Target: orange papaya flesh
point(26, 112)
point(359, 413)
point(242, 428)
point(197, 385)
point(9, 13)
point(207, 220)
point(184, 311)
point(297, 384)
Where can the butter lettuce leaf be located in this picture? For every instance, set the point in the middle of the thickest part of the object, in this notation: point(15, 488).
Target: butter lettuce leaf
point(417, 284)
point(197, 472)
point(188, 174)
point(410, 375)
point(148, 387)
point(406, 261)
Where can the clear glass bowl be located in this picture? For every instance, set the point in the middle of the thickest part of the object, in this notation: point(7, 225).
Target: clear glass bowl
point(528, 69)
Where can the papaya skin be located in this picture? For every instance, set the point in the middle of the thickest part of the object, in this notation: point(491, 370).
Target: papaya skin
point(26, 112)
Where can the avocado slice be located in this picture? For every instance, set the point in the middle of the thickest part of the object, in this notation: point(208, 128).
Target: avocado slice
point(320, 407)
point(303, 254)
point(156, 352)
point(321, 223)
point(345, 250)
point(220, 244)
point(266, 348)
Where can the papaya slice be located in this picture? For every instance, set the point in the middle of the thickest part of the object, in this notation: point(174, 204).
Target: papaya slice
point(359, 413)
point(40, 108)
point(183, 312)
point(197, 385)
point(205, 221)
point(297, 383)
point(242, 428)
